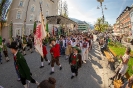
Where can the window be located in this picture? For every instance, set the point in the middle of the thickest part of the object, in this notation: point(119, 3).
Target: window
point(18, 32)
point(47, 13)
point(32, 8)
point(21, 3)
point(18, 16)
point(31, 17)
point(47, 5)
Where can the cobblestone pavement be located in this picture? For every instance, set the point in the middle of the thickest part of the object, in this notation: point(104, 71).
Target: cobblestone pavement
point(93, 74)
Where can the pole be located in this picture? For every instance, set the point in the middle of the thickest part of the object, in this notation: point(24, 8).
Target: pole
point(102, 11)
point(42, 20)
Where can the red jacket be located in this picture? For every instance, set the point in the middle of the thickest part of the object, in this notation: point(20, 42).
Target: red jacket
point(55, 50)
point(44, 51)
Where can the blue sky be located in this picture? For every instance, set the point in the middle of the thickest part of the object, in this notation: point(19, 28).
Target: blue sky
point(86, 10)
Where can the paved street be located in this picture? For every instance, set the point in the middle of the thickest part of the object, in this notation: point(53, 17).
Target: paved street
point(93, 74)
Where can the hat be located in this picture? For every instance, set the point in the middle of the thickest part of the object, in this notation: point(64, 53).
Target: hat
point(13, 45)
point(79, 51)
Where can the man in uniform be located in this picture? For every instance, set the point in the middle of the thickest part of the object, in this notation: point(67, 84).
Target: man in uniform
point(21, 65)
point(24, 45)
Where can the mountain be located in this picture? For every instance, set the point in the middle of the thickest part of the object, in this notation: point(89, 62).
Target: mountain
point(79, 21)
point(76, 20)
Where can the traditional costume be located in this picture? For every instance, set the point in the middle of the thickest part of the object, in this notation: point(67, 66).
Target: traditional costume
point(85, 46)
point(22, 66)
point(68, 49)
point(55, 53)
point(44, 57)
point(5, 52)
point(75, 62)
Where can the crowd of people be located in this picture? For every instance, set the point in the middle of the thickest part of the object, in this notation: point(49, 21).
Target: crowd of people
point(75, 48)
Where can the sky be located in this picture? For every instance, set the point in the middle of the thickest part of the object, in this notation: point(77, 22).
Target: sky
point(86, 10)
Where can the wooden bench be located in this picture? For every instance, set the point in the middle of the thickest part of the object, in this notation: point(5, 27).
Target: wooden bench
point(112, 52)
point(108, 56)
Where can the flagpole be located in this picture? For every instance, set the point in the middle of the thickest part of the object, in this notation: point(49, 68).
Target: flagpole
point(42, 16)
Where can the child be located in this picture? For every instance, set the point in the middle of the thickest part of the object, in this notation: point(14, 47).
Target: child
point(55, 53)
point(75, 62)
point(45, 57)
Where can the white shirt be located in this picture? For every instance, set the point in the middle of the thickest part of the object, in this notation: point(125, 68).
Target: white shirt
point(15, 53)
point(74, 44)
point(125, 57)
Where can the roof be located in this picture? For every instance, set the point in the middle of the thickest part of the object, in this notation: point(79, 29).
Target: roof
point(59, 20)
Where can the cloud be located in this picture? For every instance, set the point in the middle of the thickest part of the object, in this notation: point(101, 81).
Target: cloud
point(74, 12)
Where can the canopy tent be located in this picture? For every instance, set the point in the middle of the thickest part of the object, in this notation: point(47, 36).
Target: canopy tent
point(59, 20)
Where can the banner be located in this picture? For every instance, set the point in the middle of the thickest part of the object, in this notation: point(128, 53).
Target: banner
point(39, 35)
point(38, 39)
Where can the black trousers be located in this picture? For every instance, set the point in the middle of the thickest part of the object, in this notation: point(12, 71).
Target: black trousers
point(42, 58)
point(74, 69)
point(5, 53)
point(23, 80)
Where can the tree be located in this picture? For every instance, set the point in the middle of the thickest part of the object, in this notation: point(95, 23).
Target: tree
point(2, 3)
point(101, 25)
point(60, 7)
point(65, 9)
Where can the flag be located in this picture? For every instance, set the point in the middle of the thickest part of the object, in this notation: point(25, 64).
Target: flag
point(53, 31)
point(38, 40)
point(47, 27)
point(39, 35)
point(34, 28)
point(43, 28)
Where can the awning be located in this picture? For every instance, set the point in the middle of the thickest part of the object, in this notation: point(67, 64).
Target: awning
point(59, 20)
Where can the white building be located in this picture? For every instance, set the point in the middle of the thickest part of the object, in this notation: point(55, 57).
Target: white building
point(17, 14)
point(83, 26)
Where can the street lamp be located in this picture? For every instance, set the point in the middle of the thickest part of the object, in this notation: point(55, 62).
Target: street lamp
point(101, 6)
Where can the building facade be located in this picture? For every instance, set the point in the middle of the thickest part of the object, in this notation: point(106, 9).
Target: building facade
point(131, 16)
point(123, 21)
point(28, 11)
point(83, 26)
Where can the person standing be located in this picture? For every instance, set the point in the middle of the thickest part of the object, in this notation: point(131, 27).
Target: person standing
point(55, 53)
point(44, 57)
point(68, 48)
point(5, 52)
point(0, 49)
point(121, 70)
point(24, 45)
point(75, 62)
point(21, 65)
point(85, 46)
point(30, 44)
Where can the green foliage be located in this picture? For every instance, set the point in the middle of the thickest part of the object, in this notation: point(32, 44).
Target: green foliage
point(119, 50)
point(100, 25)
